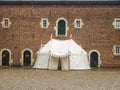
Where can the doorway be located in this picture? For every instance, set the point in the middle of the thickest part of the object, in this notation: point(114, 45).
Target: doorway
point(59, 64)
point(94, 60)
point(5, 58)
point(27, 58)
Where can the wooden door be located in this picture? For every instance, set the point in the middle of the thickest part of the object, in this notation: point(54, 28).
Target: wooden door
point(27, 58)
point(5, 58)
point(94, 60)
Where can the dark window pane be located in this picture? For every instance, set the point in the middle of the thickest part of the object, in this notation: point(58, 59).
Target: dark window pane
point(117, 50)
point(117, 23)
point(6, 22)
point(78, 23)
point(44, 23)
point(61, 27)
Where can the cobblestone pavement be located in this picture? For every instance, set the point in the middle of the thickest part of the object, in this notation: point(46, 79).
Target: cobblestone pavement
point(36, 79)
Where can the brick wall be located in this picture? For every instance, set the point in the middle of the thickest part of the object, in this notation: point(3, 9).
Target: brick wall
point(97, 33)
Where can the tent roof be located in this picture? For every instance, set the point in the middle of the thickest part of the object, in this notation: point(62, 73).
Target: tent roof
point(61, 2)
point(62, 48)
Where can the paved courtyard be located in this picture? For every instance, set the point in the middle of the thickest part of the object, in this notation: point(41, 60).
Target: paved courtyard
point(36, 79)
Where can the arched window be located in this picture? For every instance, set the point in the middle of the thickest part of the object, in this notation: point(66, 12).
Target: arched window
point(61, 27)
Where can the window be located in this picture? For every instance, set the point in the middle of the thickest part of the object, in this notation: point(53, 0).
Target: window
point(78, 23)
point(6, 23)
point(61, 27)
point(44, 23)
point(116, 23)
point(116, 50)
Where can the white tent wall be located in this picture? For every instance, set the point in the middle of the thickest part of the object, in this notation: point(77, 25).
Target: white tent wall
point(65, 63)
point(78, 62)
point(53, 63)
point(42, 61)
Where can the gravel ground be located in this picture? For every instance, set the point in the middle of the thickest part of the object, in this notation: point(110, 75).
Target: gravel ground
point(36, 79)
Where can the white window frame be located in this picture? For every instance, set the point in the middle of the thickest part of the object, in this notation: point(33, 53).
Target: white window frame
point(115, 51)
point(42, 23)
point(114, 23)
point(3, 23)
point(56, 27)
point(75, 23)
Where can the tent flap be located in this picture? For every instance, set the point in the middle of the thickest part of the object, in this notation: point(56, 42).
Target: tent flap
point(42, 61)
point(59, 55)
point(79, 62)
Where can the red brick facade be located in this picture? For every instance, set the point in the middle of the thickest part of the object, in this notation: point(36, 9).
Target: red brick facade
point(97, 33)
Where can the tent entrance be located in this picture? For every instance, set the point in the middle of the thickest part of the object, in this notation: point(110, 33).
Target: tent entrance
point(5, 58)
point(59, 64)
point(94, 60)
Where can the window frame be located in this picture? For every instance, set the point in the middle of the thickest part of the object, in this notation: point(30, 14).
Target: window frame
point(42, 23)
point(66, 27)
point(115, 51)
point(114, 23)
point(4, 23)
point(75, 23)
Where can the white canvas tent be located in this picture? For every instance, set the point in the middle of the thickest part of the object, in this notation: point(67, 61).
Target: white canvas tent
point(66, 52)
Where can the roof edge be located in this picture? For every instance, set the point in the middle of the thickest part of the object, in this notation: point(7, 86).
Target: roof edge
point(59, 2)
